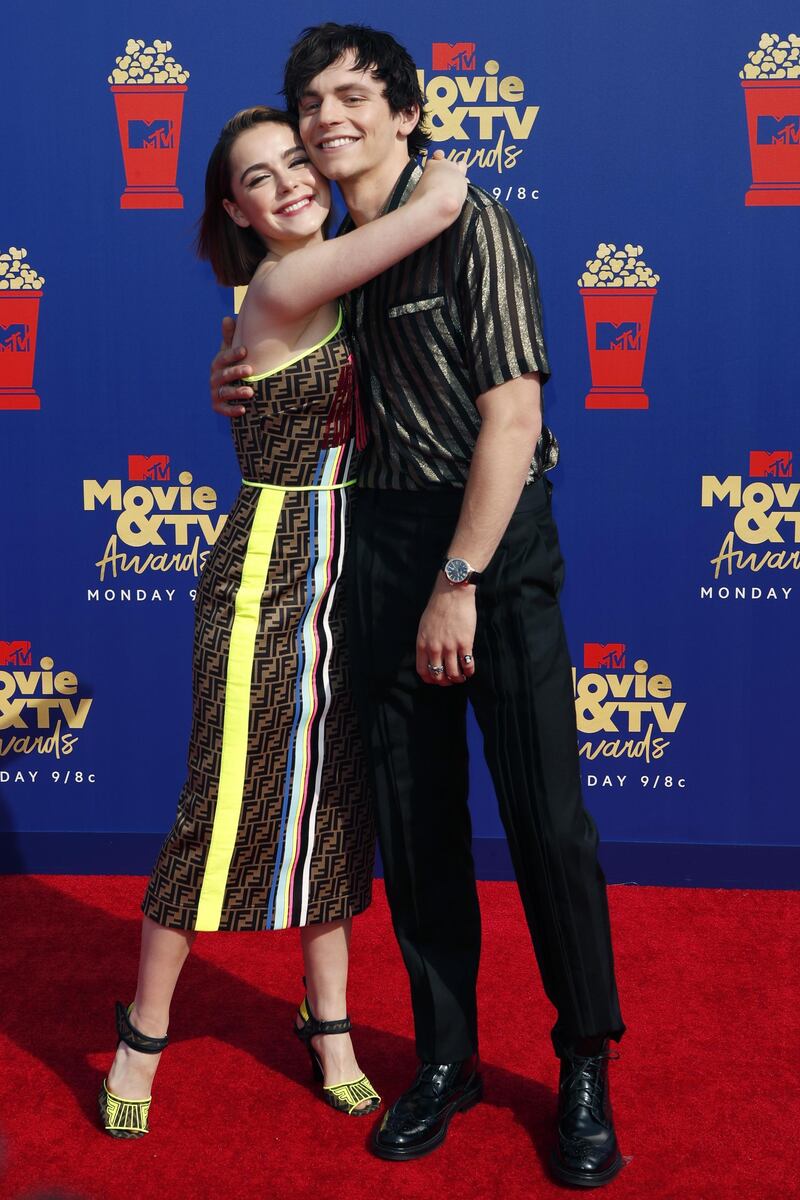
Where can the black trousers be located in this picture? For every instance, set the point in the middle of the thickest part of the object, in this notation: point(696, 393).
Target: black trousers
point(416, 739)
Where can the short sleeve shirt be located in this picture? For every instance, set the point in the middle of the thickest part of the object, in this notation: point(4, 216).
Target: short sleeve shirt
point(458, 317)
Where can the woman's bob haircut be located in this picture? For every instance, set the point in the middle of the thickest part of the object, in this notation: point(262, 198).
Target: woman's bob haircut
point(234, 253)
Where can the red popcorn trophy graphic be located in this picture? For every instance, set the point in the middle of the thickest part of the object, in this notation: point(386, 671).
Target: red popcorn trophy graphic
point(20, 293)
point(148, 88)
point(618, 290)
point(771, 82)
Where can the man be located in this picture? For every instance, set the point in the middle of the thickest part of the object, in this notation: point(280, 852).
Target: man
point(455, 569)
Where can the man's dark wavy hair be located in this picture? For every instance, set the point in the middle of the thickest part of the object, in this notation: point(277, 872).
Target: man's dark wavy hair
point(319, 46)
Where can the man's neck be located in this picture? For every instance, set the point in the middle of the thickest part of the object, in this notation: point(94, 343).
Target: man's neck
point(366, 196)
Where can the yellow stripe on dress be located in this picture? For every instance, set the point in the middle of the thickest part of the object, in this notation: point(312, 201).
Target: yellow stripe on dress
point(236, 721)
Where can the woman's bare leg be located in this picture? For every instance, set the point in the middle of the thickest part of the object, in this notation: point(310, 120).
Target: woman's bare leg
point(163, 953)
point(326, 951)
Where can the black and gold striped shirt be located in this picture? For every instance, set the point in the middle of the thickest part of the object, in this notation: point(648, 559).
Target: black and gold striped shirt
point(458, 317)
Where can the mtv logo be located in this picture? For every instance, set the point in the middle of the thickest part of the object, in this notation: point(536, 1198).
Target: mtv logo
point(15, 654)
point(14, 339)
point(625, 336)
point(150, 135)
point(458, 57)
point(778, 131)
point(148, 466)
point(764, 463)
point(597, 655)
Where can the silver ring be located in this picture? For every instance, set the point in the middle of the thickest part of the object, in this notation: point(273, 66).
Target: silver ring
point(435, 670)
point(466, 658)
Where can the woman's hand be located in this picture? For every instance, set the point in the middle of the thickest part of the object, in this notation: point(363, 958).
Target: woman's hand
point(443, 182)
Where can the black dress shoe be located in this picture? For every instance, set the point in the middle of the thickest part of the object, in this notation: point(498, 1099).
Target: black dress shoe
point(417, 1122)
point(587, 1154)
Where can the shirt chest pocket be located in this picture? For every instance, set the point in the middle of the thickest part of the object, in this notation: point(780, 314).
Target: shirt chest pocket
point(412, 307)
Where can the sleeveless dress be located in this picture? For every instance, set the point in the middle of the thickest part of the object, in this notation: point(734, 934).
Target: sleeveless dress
point(274, 825)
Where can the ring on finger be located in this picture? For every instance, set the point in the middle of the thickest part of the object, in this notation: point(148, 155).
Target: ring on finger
point(435, 670)
point(466, 658)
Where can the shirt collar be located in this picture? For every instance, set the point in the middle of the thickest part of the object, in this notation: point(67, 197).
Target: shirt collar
point(404, 188)
point(401, 193)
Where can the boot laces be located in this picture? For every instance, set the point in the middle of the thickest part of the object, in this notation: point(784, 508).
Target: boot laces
point(586, 1077)
point(429, 1076)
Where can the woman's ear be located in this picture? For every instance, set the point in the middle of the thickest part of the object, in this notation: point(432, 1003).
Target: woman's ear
point(235, 214)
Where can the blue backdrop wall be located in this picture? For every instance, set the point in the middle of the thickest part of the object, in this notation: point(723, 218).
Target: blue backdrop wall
point(659, 191)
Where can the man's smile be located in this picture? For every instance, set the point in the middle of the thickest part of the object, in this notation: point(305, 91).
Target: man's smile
point(333, 143)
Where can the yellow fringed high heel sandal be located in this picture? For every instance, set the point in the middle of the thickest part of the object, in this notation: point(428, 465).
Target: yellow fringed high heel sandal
point(123, 1118)
point(345, 1097)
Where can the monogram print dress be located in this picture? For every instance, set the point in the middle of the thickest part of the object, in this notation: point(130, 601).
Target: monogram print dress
point(274, 826)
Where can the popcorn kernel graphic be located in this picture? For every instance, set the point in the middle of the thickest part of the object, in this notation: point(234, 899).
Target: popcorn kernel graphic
point(20, 293)
point(775, 58)
point(618, 288)
point(141, 64)
point(617, 268)
point(148, 86)
point(771, 82)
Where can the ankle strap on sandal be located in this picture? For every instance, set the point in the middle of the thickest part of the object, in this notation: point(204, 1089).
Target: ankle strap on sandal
point(312, 1026)
point(133, 1037)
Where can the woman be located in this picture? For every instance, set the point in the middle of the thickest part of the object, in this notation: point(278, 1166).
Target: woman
point(273, 826)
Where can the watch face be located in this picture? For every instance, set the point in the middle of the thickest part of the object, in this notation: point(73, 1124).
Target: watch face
point(457, 570)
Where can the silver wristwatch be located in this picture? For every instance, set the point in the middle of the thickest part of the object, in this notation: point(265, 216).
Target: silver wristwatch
point(458, 572)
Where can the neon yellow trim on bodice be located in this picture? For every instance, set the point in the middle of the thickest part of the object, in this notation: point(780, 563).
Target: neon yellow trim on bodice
point(303, 354)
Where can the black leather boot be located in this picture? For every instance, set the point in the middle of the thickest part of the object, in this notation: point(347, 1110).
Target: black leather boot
point(587, 1154)
point(417, 1122)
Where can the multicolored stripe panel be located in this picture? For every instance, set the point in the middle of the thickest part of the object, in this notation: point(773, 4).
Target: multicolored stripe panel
point(327, 517)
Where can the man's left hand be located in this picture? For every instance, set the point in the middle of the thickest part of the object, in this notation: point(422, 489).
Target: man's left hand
point(446, 634)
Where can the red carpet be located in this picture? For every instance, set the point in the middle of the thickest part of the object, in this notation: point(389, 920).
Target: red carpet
point(704, 1091)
